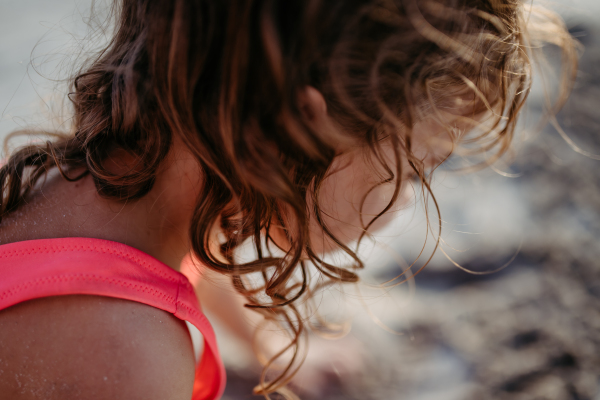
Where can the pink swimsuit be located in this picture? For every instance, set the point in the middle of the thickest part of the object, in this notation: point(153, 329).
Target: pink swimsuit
point(54, 267)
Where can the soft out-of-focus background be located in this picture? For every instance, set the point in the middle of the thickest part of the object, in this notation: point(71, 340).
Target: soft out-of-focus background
point(530, 331)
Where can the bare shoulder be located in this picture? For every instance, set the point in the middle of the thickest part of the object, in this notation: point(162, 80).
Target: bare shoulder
point(92, 347)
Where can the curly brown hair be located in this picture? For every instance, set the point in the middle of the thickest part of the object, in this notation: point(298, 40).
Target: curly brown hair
point(224, 77)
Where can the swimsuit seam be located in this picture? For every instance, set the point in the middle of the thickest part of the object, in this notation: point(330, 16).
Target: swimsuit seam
point(61, 249)
point(83, 277)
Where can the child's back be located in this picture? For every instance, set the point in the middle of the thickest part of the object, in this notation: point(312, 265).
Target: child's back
point(93, 347)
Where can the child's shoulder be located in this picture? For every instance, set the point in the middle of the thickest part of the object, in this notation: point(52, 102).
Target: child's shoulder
point(95, 348)
point(57, 208)
point(62, 209)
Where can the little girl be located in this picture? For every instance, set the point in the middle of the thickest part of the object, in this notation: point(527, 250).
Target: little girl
point(204, 125)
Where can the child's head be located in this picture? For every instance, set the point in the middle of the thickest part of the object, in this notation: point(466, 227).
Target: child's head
point(274, 97)
point(266, 95)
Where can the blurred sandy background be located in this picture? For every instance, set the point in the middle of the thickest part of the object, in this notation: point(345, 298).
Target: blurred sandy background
point(529, 332)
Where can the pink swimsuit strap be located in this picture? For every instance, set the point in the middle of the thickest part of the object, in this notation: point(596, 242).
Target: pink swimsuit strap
point(53, 267)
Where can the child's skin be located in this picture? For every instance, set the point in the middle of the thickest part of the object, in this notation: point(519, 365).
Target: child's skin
point(63, 348)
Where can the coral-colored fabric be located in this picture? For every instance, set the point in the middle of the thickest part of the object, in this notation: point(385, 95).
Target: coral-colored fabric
point(54, 267)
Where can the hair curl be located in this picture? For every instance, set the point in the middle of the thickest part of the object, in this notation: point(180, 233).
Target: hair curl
point(224, 77)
